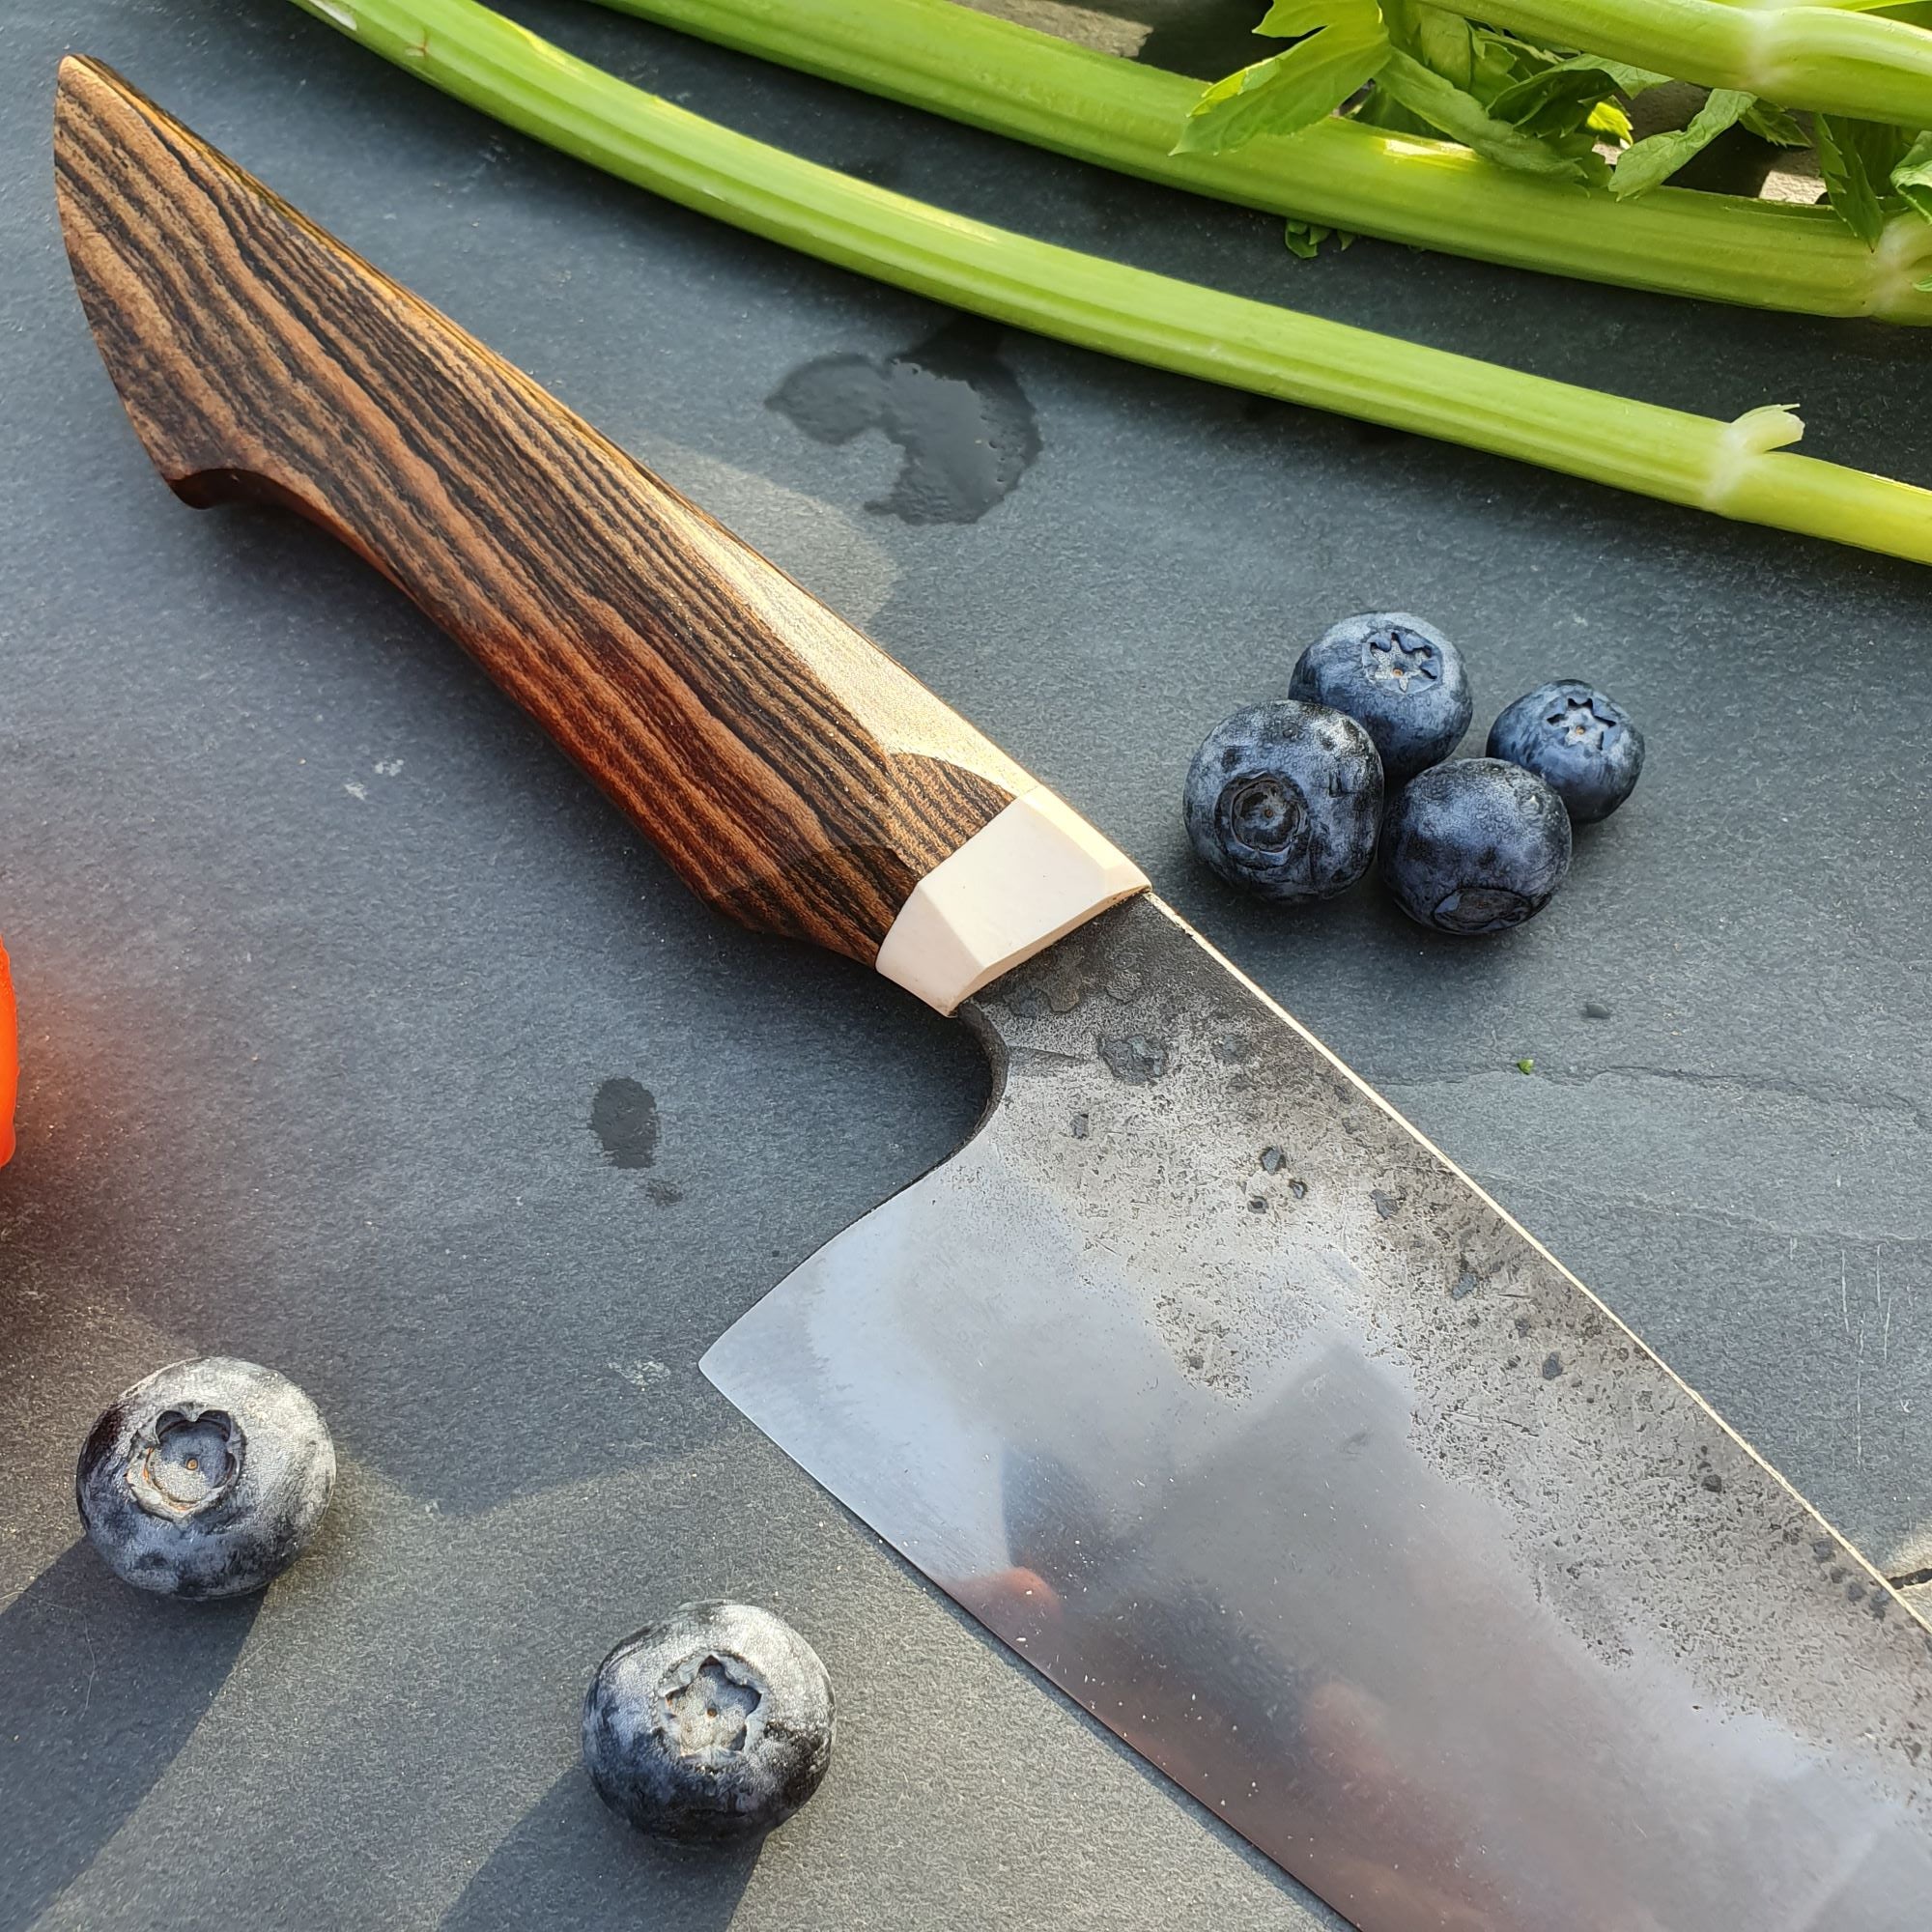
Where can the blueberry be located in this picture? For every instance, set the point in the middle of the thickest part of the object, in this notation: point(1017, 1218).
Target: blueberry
point(1475, 845)
point(206, 1480)
point(1580, 743)
point(1284, 799)
point(713, 1723)
point(1402, 679)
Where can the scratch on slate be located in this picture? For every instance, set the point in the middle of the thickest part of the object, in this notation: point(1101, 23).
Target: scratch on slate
point(1859, 1394)
point(1844, 1304)
point(1884, 1355)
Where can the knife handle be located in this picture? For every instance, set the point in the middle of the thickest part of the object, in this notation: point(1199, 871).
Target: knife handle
point(794, 776)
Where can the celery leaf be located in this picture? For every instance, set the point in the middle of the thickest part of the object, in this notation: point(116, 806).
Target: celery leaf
point(1659, 157)
point(1378, 108)
point(1443, 41)
point(1607, 117)
point(1558, 101)
point(1857, 158)
point(1291, 19)
point(1463, 118)
point(1772, 122)
point(1565, 93)
point(1286, 91)
point(1912, 178)
point(1304, 238)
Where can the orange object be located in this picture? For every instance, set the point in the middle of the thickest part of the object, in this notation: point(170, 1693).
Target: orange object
point(9, 1061)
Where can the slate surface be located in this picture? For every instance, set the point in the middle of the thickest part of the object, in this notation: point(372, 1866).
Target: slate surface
point(334, 977)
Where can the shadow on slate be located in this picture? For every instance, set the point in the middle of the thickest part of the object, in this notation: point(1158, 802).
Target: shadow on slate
point(570, 1865)
point(99, 1687)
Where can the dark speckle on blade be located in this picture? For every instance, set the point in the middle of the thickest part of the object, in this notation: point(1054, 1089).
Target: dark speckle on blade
point(1133, 1058)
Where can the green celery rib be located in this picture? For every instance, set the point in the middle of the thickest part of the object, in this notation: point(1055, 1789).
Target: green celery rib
point(1834, 60)
point(1433, 194)
point(530, 84)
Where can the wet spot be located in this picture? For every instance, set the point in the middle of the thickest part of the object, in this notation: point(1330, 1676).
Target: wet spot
point(962, 423)
point(665, 1193)
point(1595, 1009)
point(1134, 1058)
point(1552, 1366)
point(624, 1118)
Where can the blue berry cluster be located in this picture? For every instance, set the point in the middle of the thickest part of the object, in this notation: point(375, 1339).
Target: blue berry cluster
point(1293, 800)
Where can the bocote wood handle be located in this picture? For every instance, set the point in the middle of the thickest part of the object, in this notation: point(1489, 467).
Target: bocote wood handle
point(795, 776)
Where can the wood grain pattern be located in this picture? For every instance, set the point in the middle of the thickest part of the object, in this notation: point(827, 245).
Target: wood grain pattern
point(793, 774)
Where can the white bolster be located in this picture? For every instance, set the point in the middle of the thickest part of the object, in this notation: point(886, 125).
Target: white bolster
point(1022, 880)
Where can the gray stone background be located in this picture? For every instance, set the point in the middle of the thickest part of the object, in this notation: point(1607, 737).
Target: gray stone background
point(333, 976)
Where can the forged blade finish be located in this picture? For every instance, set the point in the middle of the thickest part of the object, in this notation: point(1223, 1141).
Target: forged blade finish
point(1210, 1386)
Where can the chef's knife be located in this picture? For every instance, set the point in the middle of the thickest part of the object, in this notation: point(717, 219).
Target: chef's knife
point(1196, 1376)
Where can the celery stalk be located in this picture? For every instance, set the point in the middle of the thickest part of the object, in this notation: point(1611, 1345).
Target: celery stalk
point(1433, 195)
point(1733, 469)
point(1834, 60)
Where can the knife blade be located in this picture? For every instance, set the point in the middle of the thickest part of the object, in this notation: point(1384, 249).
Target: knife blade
point(1221, 1396)
point(1198, 1375)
